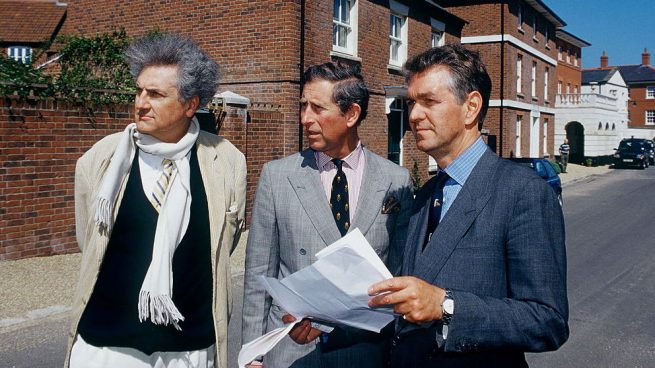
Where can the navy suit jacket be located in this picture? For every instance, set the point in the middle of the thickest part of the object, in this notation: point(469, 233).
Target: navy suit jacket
point(500, 249)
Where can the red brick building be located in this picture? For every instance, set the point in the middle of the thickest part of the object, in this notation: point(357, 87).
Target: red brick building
point(641, 86)
point(262, 47)
point(569, 62)
point(516, 38)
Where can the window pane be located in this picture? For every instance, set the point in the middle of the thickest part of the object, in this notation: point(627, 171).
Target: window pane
point(395, 45)
point(391, 25)
point(335, 34)
point(343, 36)
point(335, 12)
point(436, 37)
point(345, 9)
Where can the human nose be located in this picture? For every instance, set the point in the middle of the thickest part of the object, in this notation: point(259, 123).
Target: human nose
point(307, 117)
point(416, 114)
point(141, 100)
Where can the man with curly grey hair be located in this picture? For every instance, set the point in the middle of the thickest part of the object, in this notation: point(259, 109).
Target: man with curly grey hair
point(158, 208)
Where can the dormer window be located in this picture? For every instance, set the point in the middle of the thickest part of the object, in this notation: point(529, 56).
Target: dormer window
point(22, 54)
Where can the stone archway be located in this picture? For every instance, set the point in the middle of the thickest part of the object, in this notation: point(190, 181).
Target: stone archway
point(575, 135)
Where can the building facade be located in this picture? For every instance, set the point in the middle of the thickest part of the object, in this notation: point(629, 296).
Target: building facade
point(516, 38)
point(596, 119)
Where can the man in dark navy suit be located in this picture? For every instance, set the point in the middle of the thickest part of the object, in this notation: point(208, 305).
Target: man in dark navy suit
point(485, 264)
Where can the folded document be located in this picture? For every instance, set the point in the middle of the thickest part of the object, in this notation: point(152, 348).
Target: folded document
point(333, 289)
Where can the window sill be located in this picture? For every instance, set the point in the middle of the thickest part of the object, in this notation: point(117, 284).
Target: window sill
point(520, 95)
point(395, 67)
point(342, 55)
point(520, 29)
point(535, 98)
point(547, 47)
point(535, 39)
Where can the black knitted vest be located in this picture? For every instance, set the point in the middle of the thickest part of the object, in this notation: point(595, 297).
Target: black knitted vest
point(111, 316)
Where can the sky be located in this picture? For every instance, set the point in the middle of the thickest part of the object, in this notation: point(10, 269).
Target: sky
point(623, 28)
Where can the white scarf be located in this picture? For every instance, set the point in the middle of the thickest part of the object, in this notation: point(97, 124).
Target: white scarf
point(155, 301)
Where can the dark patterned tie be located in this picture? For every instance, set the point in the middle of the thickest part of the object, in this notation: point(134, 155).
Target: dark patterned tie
point(435, 205)
point(339, 198)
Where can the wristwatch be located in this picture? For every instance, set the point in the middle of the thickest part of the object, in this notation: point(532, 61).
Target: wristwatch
point(447, 308)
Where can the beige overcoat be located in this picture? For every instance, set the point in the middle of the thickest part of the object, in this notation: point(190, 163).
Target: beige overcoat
point(223, 169)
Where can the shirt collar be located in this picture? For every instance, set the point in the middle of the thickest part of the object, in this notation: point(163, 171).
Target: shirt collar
point(352, 160)
point(460, 169)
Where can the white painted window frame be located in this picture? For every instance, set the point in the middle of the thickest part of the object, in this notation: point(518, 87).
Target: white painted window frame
point(546, 76)
point(22, 54)
point(649, 117)
point(650, 92)
point(400, 11)
point(533, 81)
point(351, 26)
point(438, 30)
point(519, 73)
point(517, 140)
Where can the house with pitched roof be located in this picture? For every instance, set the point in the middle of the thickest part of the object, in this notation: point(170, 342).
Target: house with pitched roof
point(641, 83)
point(29, 26)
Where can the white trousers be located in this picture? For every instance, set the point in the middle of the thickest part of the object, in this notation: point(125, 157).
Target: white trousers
point(85, 355)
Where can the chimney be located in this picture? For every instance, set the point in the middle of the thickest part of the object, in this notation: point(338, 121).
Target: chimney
point(603, 60)
point(645, 57)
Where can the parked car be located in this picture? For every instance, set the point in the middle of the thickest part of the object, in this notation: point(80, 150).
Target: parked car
point(632, 152)
point(544, 169)
point(650, 148)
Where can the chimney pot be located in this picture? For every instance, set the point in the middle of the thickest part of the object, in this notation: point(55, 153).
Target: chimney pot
point(604, 60)
point(645, 57)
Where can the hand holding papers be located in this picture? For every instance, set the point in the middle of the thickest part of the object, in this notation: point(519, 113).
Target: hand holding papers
point(333, 289)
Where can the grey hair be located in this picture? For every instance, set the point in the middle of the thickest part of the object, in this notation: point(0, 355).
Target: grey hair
point(198, 74)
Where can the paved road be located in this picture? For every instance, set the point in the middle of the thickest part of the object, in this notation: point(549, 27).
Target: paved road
point(611, 257)
point(611, 273)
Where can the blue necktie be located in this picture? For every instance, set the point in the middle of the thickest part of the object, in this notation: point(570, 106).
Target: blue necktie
point(435, 205)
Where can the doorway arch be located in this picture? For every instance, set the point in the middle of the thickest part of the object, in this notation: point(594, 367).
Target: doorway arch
point(575, 135)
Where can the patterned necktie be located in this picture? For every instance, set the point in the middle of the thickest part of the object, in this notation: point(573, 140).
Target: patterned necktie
point(159, 192)
point(435, 205)
point(339, 198)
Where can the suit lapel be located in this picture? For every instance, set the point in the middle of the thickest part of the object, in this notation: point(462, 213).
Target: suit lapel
point(306, 183)
point(417, 226)
point(467, 206)
point(374, 187)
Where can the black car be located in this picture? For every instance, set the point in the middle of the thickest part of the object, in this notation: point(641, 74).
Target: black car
point(632, 152)
point(544, 169)
point(650, 149)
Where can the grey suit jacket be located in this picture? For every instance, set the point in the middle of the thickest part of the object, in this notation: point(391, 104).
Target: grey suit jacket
point(500, 249)
point(223, 170)
point(292, 221)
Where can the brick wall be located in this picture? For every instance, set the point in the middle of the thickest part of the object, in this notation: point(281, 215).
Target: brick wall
point(41, 141)
point(638, 105)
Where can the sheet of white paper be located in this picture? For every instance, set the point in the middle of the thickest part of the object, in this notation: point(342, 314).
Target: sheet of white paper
point(332, 289)
point(262, 345)
point(355, 240)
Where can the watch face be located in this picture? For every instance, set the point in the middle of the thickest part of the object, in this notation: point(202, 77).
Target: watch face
point(448, 306)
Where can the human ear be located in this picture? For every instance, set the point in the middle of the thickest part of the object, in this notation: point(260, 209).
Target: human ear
point(352, 115)
point(473, 105)
point(193, 104)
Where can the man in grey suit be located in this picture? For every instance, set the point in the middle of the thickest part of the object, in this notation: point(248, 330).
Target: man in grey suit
point(485, 264)
point(310, 199)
